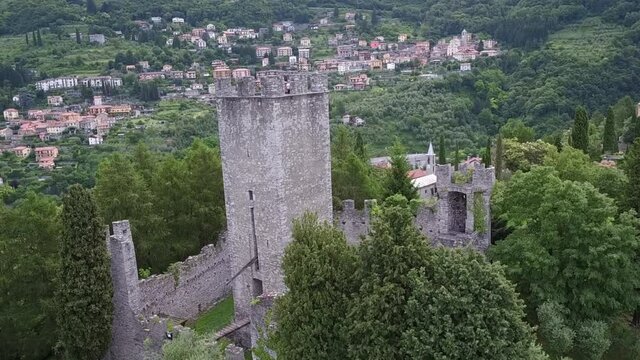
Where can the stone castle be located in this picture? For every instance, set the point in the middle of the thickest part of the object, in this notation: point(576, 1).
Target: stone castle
point(276, 162)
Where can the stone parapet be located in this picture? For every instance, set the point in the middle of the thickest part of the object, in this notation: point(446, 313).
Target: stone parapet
point(272, 84)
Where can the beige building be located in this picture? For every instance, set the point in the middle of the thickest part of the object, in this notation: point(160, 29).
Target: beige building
point(54, 100)
point(285, 51)
point(11, 114)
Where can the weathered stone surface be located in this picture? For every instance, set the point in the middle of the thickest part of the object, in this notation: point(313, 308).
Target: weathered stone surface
point(233, 352)
point(451, 222)
point(198, 285)
point(276, 166)
point(126, 334)
point(202, 280)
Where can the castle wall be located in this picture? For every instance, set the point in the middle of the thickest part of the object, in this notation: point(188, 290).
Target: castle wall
point(127, 331)
point(200, 282)
point(450, 222)
point(354, 223)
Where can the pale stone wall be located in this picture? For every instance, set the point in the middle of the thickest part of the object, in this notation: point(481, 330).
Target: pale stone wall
point(438, 222)
point(200, 283)
point(203, 280)
point(274, 141)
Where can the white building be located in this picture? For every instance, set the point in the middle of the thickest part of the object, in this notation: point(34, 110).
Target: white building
point(177, 20)
point(200, 44)
point(97, 39)
point(304, 53)
point(11, 114)
point(465, 67)
point(426, 185)
point(54, 100)
point(99, 81)
point(284, 51)
point(67, 82)
point(95, 140)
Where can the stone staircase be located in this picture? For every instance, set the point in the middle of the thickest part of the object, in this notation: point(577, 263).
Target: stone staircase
point(229, 329)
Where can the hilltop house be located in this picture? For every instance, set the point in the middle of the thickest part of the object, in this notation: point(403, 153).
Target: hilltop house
point(261, 51)
point(21, 151)
point(304, 53)
point(11, 114)
point(97, 39)
point(284, 51)
point(240, 73)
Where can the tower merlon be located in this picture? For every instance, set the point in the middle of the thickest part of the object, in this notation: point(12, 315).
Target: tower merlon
point(272, 84)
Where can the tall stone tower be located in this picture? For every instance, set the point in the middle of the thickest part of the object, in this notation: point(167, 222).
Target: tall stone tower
point(274, 140)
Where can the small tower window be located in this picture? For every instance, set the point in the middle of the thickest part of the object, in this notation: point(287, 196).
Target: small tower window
point(251, 195)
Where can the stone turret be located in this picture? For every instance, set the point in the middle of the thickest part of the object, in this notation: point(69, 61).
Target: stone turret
point(460, 217)
point(463, 209)
point(274, 141)
point(272, 84)
point(126, 336)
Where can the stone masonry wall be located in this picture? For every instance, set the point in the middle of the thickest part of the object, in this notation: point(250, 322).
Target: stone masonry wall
point(199, 283)
point(450, 222)
point(141, 307)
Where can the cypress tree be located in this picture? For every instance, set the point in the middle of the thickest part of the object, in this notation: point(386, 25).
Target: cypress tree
point(456, 157)
point(397, 180)
point(78, 39)
point(360, 148)
point(84, 295)
point(499, 155)
point(318, 255)
point(632, 168)
point(26, 37)
point(91, 7)
point(486, 158)
point(378, 319)
point(609, 141)
point(33, 37)
point(39, 37)
point(442, 152)
point(580, 131)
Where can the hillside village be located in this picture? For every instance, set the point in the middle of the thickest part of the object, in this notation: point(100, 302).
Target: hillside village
point(282, 46)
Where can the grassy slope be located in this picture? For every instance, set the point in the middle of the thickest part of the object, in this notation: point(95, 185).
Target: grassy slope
point(590, 41)
point(64, 56)
point(216, 318)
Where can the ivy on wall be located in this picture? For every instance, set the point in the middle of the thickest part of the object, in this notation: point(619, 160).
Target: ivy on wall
point(479, 214)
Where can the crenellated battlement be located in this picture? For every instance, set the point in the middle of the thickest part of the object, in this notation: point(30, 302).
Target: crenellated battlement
point(272, 84)
point(476, 176)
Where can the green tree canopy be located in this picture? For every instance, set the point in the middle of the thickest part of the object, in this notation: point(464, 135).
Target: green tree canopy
point(397, 181)
point(632, 169)
point(462, 307)
point(609, 138)
point(29, 241)
point(558, 227)
point(516, 129)
point(580, 130)
point(84, 294)
point(377, 317)
point(352, 176)
point(319, 268)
